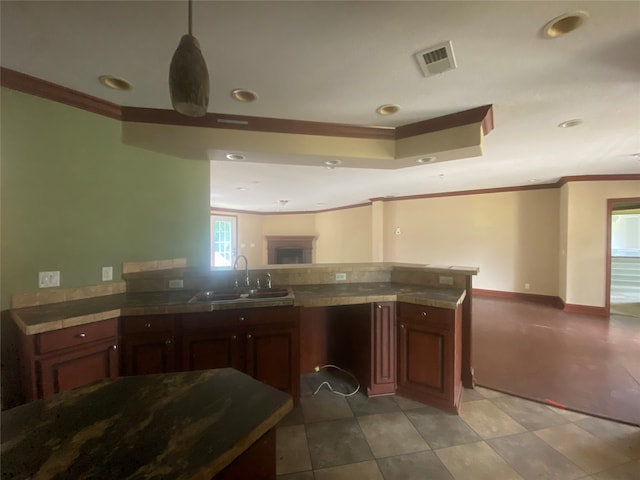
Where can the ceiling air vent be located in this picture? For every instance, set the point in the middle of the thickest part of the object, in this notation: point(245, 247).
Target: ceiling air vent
point(436, 59)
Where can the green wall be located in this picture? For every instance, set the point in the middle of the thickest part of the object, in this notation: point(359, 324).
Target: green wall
point(75, 199)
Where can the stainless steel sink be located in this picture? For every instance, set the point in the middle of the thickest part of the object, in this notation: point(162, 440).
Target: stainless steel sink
point(216, 295)
point(210, 296)
point(268, 293)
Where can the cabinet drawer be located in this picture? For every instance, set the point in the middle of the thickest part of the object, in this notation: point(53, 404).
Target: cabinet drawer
point(76, 336)
point(237, 318)
point(151, 323)
point(410, 311)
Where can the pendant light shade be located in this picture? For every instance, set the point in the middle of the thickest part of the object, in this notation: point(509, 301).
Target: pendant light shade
point(189, 77)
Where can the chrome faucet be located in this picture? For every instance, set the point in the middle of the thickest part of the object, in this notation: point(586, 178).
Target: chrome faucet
point(268, 275)
point(246, 269)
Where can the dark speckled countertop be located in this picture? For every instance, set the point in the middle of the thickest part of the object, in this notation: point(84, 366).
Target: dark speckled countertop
point(54, 316)
point(173, 426)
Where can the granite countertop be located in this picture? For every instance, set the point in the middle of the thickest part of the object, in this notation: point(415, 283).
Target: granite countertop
point(180, 425)
point(54, 316)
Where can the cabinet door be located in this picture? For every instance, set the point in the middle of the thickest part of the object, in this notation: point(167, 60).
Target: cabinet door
point(422, 357)
point(383, 349)
point(216, 348)
point(272, 356)
point(78, 367)
point(147, 354)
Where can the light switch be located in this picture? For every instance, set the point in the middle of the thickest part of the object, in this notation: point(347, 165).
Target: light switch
point(107, 274)
point(48, 279)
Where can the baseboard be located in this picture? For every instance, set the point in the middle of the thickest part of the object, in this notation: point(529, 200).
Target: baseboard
point(549, 300)
point(586, 309)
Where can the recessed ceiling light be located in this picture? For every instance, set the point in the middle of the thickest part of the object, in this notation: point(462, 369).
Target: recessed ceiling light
point(235, 156)
point(533, 180)
point(636, 156)
point(571, 123)
point(564, 24)
point(333, 163)
point(115, 83)
point(242, 189)
point(426, 160)
point(388, 109)
point(242, 95)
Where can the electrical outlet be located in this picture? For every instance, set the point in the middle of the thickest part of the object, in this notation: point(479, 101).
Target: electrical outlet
point(398, 231)
point(107, 274)
point(341, 276)
point(48, 279)
point(176, 283)
point(446, 280)
point(527, 286)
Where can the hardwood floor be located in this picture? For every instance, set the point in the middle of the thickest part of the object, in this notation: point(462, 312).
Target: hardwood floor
point(585, 363)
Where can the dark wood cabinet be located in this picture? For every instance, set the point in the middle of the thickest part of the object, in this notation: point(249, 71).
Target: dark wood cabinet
point(262, 342)
point(360, 338)
point(429, 353)
point(273, 358)
point(383, 349)
point(148, 344)
point(81, 366)
point(63, 359)
point(211, 348)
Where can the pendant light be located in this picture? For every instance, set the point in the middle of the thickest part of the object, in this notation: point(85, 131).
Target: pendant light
point(188, 77)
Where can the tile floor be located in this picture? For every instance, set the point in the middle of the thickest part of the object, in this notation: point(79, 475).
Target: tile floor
point(495, 437)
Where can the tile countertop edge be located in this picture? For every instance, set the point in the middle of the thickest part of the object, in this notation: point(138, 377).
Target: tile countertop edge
point(300, 300)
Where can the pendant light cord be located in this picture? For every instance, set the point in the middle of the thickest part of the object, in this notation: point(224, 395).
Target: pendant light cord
point(190, 18)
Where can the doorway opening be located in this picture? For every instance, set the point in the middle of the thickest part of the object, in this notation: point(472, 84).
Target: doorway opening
point(623, 257)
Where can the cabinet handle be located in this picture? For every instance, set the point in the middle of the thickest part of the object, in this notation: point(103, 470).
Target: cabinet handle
point(402, 325)
point(114, 347)
point(167, 342)
point(148, 324)
point(233, 337)
point(379, 306)
point(424, 314)
point(242, 319)
point(81, 335)
point(248, 335)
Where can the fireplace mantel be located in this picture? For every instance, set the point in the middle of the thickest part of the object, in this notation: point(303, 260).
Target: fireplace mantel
point(276, 243)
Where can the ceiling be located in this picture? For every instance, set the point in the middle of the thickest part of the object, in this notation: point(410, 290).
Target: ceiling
point(337, 62)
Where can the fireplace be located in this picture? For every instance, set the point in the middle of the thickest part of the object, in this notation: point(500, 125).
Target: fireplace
point(289, 249)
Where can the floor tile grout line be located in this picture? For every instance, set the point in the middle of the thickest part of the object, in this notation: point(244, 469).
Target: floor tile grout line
point(568, 420)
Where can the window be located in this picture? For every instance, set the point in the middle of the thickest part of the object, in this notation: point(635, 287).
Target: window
point(223, 240)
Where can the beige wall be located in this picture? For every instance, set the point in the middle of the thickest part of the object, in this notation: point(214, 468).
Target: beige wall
point(511, 236)
point(587, 239)
point(554, 239)
point(250, 237)
point(344, 236)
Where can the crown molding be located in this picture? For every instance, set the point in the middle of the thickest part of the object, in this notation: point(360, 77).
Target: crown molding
point(51, 91)
point(546, 186)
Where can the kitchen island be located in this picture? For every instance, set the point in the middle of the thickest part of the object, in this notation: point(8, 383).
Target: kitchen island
point(191, 425)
